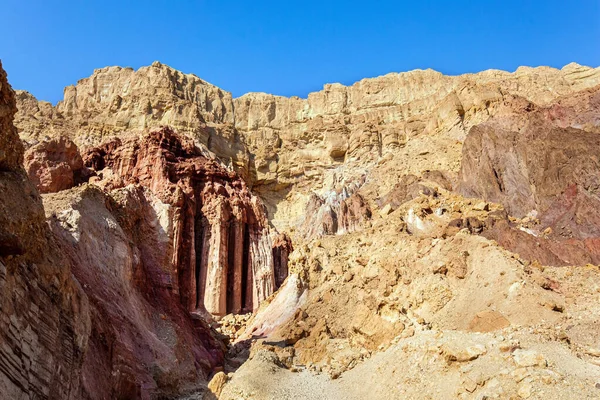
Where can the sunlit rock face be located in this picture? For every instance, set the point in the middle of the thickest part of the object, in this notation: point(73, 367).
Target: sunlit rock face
point(368, 180)
point(542, 165)
point(143, 342)
point(161, 237)
point(221, 242)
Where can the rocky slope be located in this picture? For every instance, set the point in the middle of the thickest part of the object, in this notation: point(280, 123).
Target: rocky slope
point(426, 224)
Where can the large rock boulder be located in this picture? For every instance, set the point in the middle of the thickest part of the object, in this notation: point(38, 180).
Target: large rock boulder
point(54, 165)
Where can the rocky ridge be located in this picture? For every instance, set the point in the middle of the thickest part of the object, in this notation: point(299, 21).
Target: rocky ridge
point(288, 147)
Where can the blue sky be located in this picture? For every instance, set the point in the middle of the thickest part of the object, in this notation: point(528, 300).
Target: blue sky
point(289, 47)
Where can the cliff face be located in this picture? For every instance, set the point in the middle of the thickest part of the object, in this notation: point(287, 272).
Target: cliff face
point(288, 147)
point(222, 248)
point(143, 342)
point(115, 100)
point(542, 165)
point(161, 238)
point(44, 318)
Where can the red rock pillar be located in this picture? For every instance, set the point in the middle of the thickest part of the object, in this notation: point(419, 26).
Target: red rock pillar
point(261, 265)
point(238, 265)
point(215, 290)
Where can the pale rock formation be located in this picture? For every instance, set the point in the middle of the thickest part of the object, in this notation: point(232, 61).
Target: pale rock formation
point(413, 121)
point(115, 100)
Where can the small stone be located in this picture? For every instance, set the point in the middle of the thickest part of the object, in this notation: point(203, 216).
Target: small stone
point(440, 268)
point(529, 358)
point(481, 206)
point(562, 335)
point(520, 373)
point(470, 385)
point(408, 332)
point(509, 346)
point(385, 210)
point(462, 354)
point(524, 391)
point(593, 352)
point(348, 276)
point(217, 383)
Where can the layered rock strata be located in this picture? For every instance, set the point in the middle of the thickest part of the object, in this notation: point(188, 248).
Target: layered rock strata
point(143, 343)
point(44, 320)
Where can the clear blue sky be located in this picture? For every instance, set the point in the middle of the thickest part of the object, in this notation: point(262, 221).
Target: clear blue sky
point(289, 47)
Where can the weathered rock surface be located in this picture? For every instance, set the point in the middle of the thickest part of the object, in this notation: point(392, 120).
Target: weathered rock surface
point(283, 146)
point(44, 318)
point(391, 272)
point(282, 247)
point(143, 342)
point(337, 213)
point(544, 166)
point(54, 165)
point(222, 249)
point(117, 100)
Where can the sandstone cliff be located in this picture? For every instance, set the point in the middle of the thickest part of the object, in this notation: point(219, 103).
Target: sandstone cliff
point(143, 343)
point(221, 243)
point(162, 238)
point(288, 147)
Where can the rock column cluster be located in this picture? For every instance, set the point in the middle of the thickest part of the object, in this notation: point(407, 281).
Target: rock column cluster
point(222, 244)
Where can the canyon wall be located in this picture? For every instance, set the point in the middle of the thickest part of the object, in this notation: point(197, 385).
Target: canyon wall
point(321, 164)
point(44, 314)
point(379, 199)
point(143, 343)
point(161, 238)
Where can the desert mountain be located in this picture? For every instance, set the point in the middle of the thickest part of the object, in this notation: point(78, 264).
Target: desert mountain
point(406, 226)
